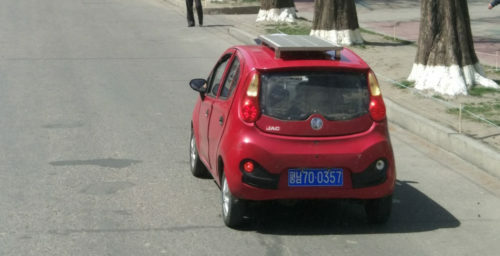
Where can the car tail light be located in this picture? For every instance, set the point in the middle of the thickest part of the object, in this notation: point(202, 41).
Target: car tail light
point(377, 106)
point(248, 166)
point(249, 108)
point(255, 175)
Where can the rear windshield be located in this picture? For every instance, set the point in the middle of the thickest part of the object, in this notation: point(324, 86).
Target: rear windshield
point(298, 95)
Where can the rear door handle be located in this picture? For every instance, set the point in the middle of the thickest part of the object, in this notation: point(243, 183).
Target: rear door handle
point(221, 120)
point(206, 113)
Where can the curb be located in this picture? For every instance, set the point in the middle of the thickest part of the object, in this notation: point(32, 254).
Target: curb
point(232, 10)
point(475, 152)
point(241, 35)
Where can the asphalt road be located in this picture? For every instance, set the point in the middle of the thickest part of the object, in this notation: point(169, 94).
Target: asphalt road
point(94, 130)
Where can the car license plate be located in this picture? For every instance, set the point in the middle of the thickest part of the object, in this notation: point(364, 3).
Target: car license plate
point(315, 177)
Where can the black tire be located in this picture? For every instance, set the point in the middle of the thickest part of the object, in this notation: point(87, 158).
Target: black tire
point(378, 210)
point(233, 208)
point(198, 169)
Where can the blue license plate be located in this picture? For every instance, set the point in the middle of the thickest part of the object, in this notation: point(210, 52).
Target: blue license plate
point(315, 177)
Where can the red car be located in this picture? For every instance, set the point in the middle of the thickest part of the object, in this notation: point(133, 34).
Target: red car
point(292, 118)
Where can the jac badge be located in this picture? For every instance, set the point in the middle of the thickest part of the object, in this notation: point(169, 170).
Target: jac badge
point(316, 123)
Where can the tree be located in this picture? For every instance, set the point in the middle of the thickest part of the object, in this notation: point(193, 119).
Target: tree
point(277, 11)
point(446, 61)
point(336, 21)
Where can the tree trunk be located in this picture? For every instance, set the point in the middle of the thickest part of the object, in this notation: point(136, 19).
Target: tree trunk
point(446, 61)
point(277, 11)
point(336, 21)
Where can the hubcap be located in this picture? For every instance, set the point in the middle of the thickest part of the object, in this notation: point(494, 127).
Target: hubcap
point(226, 197)
point(193, 152)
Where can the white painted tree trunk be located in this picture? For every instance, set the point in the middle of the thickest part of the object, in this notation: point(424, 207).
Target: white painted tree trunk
point(446, 61)
point(277, 15)
point(339, 37)
point(449, 80)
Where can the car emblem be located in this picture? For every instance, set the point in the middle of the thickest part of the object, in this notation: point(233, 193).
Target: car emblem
point(316, 123)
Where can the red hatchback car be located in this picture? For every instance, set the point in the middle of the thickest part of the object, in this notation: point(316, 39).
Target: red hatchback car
point(292, 118)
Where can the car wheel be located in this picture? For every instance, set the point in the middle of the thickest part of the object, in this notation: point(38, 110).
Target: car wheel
point(198, 169)
point(233, 208)
point(378, 210)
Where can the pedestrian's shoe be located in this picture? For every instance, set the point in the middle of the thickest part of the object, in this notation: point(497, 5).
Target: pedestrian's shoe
point(200, 15)
point(191, 24)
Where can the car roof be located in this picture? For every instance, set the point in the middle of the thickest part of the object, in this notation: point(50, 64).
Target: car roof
point(262, 57)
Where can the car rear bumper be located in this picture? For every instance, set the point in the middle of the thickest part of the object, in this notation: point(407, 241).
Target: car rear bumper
point(248, 192)
point(354, 154)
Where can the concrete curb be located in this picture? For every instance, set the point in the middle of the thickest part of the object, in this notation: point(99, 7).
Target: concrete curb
point(232, 10)
point(241, 35)
point(473, 151)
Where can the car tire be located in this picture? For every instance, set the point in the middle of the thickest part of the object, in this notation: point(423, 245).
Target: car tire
point(233, 208)
point(198, 169)
point(378, 210)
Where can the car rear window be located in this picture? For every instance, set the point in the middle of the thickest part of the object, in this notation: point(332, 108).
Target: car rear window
point(298, 95)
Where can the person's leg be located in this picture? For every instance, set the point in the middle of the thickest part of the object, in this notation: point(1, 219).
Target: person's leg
point(190, 16)
point(199, 10)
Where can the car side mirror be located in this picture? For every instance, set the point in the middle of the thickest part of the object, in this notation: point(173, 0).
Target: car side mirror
point(199, 85)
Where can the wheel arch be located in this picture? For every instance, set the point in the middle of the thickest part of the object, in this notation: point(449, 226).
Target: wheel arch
point(220, 169)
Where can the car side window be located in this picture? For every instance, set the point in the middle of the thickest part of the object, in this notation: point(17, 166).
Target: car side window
point(217, 75)
point(231, 79)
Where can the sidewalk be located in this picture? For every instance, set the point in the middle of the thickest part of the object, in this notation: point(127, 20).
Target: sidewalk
point(426, 116)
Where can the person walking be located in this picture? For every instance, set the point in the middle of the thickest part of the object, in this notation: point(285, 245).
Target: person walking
point(493, 4)
point(199, 10)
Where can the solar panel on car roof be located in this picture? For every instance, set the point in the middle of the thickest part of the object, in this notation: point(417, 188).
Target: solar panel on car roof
point(298, 43)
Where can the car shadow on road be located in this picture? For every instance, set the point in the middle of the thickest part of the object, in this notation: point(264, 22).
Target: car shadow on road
point(412, 211)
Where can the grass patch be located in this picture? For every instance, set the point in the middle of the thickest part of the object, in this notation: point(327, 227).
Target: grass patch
point(480, 91)
point(397, 40)
point(491, 69)
point(404, 84)
point(496, 106)
point(362, 30)
point(479, 108)
point(487, 110)
point(289, 29)
point(453, 111)
point(389, 38)
point(439, 97)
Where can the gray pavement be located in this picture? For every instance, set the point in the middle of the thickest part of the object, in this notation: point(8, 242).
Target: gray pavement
point(95, 113)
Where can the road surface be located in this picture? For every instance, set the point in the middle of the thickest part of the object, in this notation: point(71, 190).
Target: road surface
point(95, 110)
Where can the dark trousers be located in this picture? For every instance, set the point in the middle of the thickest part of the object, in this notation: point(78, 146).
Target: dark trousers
point(199, 10)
